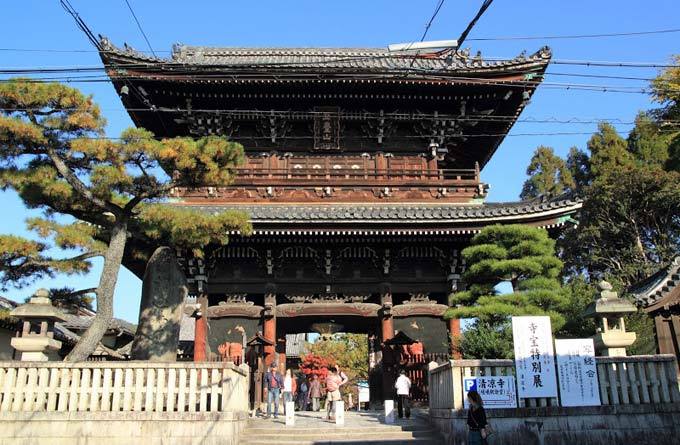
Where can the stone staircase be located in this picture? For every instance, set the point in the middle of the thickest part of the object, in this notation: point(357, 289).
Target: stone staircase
point(360, 428)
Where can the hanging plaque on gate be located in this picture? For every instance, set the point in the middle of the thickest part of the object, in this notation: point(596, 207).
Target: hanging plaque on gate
point(534, 357)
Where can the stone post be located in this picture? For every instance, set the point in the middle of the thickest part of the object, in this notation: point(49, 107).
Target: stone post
point(38, 316)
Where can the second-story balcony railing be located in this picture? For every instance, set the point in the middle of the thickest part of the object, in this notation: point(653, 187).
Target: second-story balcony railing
point(358, 176)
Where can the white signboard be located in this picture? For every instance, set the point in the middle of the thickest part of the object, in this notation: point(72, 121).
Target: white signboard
point(496, 392)
point(534, 358)
point(577, 371)
point(364, 392)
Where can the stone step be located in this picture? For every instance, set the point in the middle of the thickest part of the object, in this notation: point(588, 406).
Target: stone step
point(357, 433)
point(434, 440)
point(330, 427)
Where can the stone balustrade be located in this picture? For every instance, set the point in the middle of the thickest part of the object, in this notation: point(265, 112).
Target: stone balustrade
point(623, 381)
point(122, 386)
point(122, 402)
point(640, 403)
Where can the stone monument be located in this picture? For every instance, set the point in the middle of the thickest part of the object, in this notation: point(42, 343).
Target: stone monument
point(163, 292)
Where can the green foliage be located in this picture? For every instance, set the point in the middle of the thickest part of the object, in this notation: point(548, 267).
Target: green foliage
point(629, 225)
point(548, 175)
point(486, 341)
point(53, 153)
point(521, 255)
point(643, 325)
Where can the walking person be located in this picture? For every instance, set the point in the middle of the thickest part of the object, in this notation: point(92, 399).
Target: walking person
point(403, 387)
point(303, 390)
point(274, 382)
point(476, 420)
point(289, 386)
point(315, 392)
point(333, 382)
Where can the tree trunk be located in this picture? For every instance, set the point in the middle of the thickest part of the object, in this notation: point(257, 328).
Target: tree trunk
point(107, 284)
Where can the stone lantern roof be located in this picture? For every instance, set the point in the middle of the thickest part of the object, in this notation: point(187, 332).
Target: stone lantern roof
point(39, 307)
point(608, 303)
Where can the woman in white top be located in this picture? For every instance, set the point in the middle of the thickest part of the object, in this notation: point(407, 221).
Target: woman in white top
point(287, 388)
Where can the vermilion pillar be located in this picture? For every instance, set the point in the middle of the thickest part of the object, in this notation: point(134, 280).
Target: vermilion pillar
point(269, 332)
point(387, 327)
point(387, 324)
point(201, 332)
point(454, 333)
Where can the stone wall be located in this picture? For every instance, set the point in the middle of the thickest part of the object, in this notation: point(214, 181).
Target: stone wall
point(657, 424)
point(121, 428)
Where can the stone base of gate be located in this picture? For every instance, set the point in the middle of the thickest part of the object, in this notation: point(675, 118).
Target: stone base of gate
point(657, 424)
point(124, 428)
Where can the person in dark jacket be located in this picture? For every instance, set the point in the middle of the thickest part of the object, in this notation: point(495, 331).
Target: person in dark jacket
point(476, 420)
point(273, 380)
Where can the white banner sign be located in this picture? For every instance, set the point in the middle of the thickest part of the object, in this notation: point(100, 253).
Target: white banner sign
point(577, 371)
point(496, 392)
point(534, 358)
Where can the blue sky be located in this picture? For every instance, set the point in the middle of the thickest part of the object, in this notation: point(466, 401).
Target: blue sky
point(42, 24)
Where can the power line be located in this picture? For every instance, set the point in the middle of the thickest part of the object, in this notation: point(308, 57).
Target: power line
point(472, 23)
point(139, 25)
point(521, 84)
point(437, 8)
point(397, 115)
point(578, 36)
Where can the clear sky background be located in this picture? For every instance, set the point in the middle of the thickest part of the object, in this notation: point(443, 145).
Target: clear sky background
point(44, 25)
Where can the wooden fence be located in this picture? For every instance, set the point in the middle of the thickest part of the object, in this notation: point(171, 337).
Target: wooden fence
point(631, 380)
point(122, 386)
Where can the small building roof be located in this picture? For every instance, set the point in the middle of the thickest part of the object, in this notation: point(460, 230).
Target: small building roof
point(660, 290)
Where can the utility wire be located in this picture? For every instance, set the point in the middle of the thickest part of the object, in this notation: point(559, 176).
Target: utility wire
point(139, 25)
point(437, 8)
point(472, 23)
point(66, 4)
point(578, 36)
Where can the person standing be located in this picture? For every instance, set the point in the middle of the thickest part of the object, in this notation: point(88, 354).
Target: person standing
point(476, 420)
point(315, 392)
point(403, 387)
point(289, 387)
point(333, 382)
point(273, 381)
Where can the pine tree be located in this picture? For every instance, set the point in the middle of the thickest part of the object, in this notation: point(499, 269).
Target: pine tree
point(521, 255)
point(548, 175)
point(54, 154)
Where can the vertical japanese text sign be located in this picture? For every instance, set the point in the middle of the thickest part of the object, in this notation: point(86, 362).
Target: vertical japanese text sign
point(578, 372)
point(534, 358)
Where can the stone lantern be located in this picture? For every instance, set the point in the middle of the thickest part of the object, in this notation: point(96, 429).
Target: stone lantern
point(611, 338)
point(38, 317)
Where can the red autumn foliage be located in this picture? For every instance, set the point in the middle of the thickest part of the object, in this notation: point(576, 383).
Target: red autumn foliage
point(313, 364)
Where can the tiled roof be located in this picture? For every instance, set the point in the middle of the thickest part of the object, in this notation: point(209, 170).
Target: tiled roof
point(398, 213)
point(656, 287)
point(336, 59)
point(82, 322)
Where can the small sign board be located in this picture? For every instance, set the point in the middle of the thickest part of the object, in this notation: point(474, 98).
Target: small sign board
point(534, 357)
point(364, 392)
point(496, 391)
point(577, 371)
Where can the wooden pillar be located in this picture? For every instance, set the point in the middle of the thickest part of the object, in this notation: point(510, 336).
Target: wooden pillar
point(269, 327)
point(387, 327)
point(387, 323)
point(201, 332)
point(454, 334)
